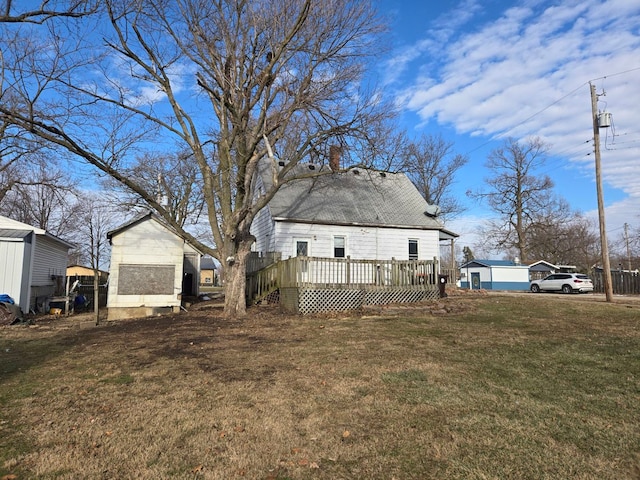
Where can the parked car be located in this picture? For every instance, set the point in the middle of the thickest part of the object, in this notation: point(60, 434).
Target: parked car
point(563, 282)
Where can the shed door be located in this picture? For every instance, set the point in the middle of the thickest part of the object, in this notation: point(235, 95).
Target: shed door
point(475, 280)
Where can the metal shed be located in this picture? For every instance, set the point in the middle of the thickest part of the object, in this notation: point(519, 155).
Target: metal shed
point(33, 264)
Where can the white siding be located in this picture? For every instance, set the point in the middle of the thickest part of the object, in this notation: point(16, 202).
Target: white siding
point(497, 277)
point(145, 243)
point(500, 274)
point(511, 274)
point(14, 264)
point(368, 243)
point(263, 229)
point(50, 259)
point(28, 264)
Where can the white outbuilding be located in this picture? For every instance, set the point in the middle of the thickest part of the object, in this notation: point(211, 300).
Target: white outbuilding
point(152, 269)
point(33, 265)
point(494, 275)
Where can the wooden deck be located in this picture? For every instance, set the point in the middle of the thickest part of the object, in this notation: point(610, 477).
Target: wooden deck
point(316, 284)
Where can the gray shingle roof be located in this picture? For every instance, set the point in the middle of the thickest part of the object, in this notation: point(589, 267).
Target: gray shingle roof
point(207, 263)
point(355, 197)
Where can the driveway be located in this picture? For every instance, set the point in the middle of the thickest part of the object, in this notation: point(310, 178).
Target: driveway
point(633, 300)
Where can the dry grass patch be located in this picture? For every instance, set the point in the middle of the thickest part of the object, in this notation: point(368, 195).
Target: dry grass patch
point(496, 388)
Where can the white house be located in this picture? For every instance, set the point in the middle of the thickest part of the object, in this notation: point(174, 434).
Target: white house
point(33, 264)
point(542, 268)
point(358, 213)
point(152, 269)
point(494, 275)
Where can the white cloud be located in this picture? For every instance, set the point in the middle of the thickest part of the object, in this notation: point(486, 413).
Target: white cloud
point(442, 29)
point(527, 73)
point(468, 227)
point(138, 88)
point(616, 215)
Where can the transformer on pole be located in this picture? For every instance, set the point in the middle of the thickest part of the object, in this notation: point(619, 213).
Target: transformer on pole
point(602, 120)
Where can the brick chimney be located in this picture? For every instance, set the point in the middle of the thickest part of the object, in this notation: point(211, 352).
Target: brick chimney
point(334, 157)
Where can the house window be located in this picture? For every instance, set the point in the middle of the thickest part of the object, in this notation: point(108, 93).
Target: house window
point(302, 248)
point(413, 249)
point(339, 247)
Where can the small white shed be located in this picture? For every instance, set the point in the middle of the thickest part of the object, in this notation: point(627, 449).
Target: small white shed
point(152, 269)
point(494, 275)
point(33, 264)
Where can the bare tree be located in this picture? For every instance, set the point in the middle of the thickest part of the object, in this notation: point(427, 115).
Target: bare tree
point(517, 193)
point(563, 237)
point(383, 143)
point(431, 164)
point(225, 80)
point(18, 157)
point(11, 11)
point(625, 248)
point(44, 196)
point(94, 222)
point(175, 178)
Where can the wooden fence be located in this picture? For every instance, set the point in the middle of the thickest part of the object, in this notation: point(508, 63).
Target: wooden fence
point(624, 283)
point(88, 293)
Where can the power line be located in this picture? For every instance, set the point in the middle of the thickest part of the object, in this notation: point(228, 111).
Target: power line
point(549, 106)
point(572, 148)
point(528, 118)
point(615, 74)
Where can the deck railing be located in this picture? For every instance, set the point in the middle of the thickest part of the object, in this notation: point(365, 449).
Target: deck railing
point(257, 261)
point(319, 272)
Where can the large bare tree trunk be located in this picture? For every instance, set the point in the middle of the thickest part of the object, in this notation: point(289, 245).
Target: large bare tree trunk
point(235, 276)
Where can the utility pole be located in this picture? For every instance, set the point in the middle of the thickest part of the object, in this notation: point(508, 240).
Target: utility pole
point(626, 238)
point(604, 247)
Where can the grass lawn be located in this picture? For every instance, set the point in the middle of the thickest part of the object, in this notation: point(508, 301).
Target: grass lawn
point(498, 387)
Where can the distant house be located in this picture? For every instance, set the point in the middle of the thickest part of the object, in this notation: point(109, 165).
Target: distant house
point(358, 213)
point(494, 275)
point(152, 269)
point(85, 275)
point(208, 272)
point(541, 269)
point(85, 288)
point(33, 264)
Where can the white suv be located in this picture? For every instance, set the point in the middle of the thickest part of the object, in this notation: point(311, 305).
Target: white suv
point(563, 282)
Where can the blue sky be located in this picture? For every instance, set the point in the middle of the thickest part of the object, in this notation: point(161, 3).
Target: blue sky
point(478, 72)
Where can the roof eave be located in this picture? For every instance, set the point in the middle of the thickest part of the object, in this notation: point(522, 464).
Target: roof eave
point(354, 224)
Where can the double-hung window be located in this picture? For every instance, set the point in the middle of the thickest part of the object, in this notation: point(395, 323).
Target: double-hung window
point(413, 249)
point(339, 247)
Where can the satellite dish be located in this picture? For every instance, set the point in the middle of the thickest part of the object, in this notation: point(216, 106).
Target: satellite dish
point(432, 211)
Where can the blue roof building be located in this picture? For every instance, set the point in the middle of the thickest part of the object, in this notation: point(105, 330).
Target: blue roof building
point(494, 275)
